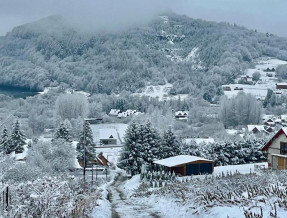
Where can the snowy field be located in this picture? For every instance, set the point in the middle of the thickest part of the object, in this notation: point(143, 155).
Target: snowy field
point(161, 92)
point(120, 129)
point(259, 90)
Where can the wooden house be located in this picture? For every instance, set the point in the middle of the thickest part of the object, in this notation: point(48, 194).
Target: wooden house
point(187, 165)
point(101, 160)
point(276, 150)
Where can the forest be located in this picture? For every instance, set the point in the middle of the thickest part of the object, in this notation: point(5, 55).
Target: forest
point(51, 52)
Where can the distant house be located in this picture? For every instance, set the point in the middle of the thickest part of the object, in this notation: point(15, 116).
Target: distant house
point(255, 128)
point(181, 115)
point(101, 160)
point(284, 117)
point(108, 136)
point(246, 78)
point(226, 88)
point(238, 88)
point(122, 115)
point(270, 122)
point(114, 112)
point(281, 85)
point(276, 150)
point(187, 165)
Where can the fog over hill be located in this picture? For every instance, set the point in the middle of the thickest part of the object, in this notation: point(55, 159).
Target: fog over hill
point(191, 54)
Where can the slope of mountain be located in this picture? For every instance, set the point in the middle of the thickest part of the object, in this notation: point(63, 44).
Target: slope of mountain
point(190, 54)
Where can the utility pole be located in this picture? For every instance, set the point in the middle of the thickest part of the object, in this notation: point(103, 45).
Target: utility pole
point(84, 135)
point(92, 174)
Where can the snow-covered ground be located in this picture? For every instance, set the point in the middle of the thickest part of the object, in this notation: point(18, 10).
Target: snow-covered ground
point(120, 129)
point(260, 89)
point(161, 92)
point(177, 202)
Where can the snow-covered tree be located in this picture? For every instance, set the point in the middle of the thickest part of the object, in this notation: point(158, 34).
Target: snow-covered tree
point(4, 141)
point(17, 139)
point(170, 145)
point(63, 133)
point(130, 159)
point(86, 142)
point(151, 144)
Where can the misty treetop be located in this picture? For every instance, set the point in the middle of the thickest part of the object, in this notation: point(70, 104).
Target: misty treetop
point(50, 52)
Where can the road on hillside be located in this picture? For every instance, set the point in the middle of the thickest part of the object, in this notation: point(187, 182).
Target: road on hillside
point(127, 208)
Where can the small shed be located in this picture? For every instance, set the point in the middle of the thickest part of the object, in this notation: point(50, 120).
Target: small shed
point(187, 165)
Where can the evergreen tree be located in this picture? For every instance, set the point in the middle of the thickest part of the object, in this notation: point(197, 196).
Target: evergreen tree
point(63, 133)
point(130, 159)
point(86, 141)
point(4, 141)
point(17, 140)
point(170, 145)
point(151, 144)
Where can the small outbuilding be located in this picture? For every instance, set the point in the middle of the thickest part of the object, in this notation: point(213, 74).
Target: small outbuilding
point(187, 165)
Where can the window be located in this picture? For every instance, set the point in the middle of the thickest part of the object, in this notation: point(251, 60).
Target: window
point(283, 148)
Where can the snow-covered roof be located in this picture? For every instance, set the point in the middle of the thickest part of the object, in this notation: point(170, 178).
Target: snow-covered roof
point(114, 112)
point(251, 127)
point(107, 133)
point(178, 160)
point(281, 84)
point(181, 113)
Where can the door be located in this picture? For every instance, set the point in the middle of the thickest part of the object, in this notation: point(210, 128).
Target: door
point(280, 163)
point(205, 168)
point(192, 169)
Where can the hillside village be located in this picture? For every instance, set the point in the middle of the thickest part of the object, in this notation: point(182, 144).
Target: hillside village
point(172, 119)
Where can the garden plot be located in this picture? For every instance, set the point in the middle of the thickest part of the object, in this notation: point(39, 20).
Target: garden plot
point(224, 195)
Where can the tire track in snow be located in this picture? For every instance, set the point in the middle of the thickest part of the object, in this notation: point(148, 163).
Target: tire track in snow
point(126, 208)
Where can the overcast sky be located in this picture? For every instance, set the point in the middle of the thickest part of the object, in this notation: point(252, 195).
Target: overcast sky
point(263, 15)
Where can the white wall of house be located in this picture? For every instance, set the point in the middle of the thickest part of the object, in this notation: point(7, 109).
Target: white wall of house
point(275, 146)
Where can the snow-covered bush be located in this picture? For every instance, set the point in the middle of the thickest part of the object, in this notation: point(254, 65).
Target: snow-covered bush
point(51, 197)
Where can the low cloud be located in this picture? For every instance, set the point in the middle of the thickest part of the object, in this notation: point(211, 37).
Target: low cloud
point(263, 15)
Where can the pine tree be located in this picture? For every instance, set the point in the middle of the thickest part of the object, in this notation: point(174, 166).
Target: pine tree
point(170, 145)
point(63, 133)
point(130, 159)
point(86, 142)
point(151, 144)
point(17, 140)
point(4, 141)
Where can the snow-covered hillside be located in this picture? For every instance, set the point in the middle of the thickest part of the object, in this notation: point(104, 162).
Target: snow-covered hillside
point(267, 80)
point(161, 92)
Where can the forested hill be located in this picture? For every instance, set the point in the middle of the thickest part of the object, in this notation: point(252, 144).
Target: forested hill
point(189, 53)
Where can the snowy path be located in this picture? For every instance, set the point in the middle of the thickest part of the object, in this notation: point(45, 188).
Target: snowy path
point(127, 208)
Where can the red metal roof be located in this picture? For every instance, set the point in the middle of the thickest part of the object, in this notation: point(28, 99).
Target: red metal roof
point(280, 132)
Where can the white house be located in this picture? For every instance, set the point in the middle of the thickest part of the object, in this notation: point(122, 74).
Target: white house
point(108, 136)
point(181, 115)
point(114, 112)
point(276, 150)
